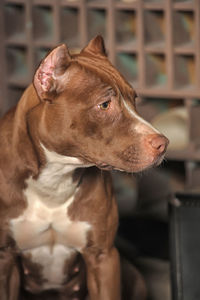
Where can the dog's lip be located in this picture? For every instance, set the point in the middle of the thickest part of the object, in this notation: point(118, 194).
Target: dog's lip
point(136, 167)
point(155, 163)
point(158, 161)
point(105, 166)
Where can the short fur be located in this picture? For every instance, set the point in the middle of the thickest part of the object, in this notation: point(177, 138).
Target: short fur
point(58, 216)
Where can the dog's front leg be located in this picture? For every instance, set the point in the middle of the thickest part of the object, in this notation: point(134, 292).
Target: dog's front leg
point(103, 275)
point(9, 276)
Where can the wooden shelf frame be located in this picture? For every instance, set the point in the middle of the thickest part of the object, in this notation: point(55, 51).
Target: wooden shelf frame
point(161, 15)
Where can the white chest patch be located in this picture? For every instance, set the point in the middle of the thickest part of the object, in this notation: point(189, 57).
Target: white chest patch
point(45, 230)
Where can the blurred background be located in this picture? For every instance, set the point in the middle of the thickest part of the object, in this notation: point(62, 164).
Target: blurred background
point(156, 46)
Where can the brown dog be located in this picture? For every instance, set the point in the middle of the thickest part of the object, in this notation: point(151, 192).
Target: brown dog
point(58, 216)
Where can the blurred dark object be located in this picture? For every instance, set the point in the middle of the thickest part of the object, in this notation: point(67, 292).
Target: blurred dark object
point(143, 229)
point(154, 188)
point(185, 246)
point(143, 204)
point(149, 237)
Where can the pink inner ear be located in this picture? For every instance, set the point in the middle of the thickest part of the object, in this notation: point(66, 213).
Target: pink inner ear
point(45, 74)
point(45, 77)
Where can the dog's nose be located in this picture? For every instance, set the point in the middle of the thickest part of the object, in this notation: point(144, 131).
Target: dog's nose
point(159, 143)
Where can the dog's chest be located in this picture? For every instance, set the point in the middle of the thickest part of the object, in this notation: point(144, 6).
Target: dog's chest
point(41, 225)
point(45, 232)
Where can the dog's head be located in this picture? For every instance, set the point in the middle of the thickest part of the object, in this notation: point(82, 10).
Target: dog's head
point(89, 112)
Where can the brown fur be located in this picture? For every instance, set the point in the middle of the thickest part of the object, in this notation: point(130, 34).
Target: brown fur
point(62, 112)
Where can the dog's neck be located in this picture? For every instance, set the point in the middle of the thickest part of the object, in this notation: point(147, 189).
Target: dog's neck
point(56, 183)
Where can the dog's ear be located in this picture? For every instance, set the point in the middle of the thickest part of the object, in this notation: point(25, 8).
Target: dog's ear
point(46, 79)
point(96, 46)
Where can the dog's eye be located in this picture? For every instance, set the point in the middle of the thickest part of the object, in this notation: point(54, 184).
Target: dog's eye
point(105, 105)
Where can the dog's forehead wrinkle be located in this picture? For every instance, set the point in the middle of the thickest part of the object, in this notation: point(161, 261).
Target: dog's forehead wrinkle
point(83, 84)
point(104, 70)
point(104, 76)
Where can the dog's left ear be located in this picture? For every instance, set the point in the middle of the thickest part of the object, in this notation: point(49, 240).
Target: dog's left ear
point(96, 46)
point(46, 79)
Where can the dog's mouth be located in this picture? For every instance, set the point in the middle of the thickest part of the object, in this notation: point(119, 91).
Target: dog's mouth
point(107, 167)
point(132, 166)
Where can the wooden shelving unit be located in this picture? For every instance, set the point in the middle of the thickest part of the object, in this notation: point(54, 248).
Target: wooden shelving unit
point(154, 43)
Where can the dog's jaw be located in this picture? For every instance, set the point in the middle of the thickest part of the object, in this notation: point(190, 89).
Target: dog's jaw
point(70, 163)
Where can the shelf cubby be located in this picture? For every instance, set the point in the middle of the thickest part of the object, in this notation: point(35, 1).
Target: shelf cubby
point(15, 15)
point(17, 66)
point(70, 33)
point(128, 66)
point(184, 28)
point(154, 28)
point(43, 24)
point(126, 28)
point(156, 70)
point(96, 22)
point(185, 70)
point(40, 54)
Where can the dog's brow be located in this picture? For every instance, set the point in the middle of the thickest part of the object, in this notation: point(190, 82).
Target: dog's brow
point(107, 92)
